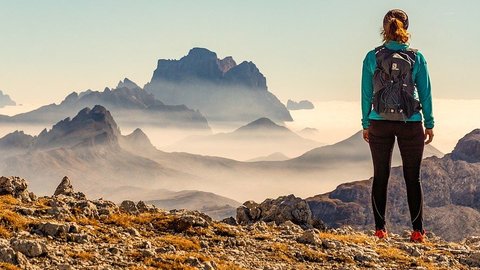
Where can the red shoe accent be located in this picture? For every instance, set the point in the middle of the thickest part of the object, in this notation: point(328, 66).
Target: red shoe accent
point(382, 233)
point(418, 236)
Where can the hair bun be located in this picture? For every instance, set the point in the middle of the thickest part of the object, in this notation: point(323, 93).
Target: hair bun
point(398, 14)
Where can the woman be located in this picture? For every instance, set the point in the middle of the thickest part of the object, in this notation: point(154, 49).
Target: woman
point(389, 110)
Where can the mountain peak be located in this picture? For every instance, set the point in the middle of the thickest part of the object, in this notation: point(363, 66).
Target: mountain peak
point(5, 100)
point(226, 64)
point(16, 139)
point(137, 141)
point(202, 52)
point(89, 127)
point(126, 83)
point(262, 124)
point(468, 147)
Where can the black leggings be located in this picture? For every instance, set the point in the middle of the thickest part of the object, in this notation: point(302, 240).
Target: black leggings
point(410, 136)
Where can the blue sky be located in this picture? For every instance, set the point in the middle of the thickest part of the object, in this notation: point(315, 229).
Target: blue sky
point(306, 49)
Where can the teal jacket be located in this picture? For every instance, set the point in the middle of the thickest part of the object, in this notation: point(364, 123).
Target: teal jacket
point(420, 77)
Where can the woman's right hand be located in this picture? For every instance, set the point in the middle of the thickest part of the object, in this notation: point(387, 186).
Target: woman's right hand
point(428, 135)
point(365, 134)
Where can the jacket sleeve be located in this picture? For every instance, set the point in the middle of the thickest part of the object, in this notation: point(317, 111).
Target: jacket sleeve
point(424, 88)
point(369, 64)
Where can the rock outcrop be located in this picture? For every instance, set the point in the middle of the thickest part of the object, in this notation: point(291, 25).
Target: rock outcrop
point(16, 187)
point(64, 188)
point(69, 231)
point(280, 210)
point(219, 88)
point(468, 148)
point(301, 105)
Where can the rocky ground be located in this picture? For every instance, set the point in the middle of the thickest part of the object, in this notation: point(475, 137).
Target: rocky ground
point(69, 231)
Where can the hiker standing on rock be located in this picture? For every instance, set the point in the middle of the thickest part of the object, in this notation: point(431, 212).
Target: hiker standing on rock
point(396, 91)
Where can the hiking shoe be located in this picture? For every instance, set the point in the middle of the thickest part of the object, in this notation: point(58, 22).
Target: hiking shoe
point(381, 233)
point(418, 236)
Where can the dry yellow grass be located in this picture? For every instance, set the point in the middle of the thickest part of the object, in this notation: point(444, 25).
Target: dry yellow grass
point(394, 254)
point(4, 232)
point(180, 242)
point(262, 236)
point(222, 265)
point(8, 266)
point(281, 251)
point(312, 255)
point(12, 220)
point(8, 200)
point(347, 238)
point(82, 255)
point(174, 261)
point(41, 203)
point(159, 220)
point(87, 221)
point(224, 230)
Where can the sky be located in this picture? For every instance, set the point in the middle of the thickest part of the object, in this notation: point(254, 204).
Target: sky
point(309, 49)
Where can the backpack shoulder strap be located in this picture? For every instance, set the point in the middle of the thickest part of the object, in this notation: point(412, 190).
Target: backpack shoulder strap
point(380, 49)
point(412, 53)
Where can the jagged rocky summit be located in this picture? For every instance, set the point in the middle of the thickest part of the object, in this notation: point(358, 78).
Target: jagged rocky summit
point(220, 88)
point(301, 105)
point(451, 189)
point(69, 231)
point(88, 127)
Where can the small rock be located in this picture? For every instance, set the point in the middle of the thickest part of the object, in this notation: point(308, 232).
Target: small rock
point(230, 221)
point(193, 261)
point(187, 221)
point(146, 245)
point(309, 237)
point(145, 208)
point(54, 230)
point(133, 232)
point(29, 248)
point(25, 210)
point(362, 257)
point(129, 207)
point(329, 244)
point(80, 238)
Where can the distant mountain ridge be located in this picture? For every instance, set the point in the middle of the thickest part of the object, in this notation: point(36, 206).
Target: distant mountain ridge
point(130, 105)
point(451, 196)
point(219, 88)
point(261, 137)
point(354, 149)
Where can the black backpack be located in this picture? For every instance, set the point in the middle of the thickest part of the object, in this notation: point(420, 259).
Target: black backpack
point(393, 85)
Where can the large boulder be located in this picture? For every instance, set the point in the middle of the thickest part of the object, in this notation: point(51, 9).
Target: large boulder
point(30, 248)
point(280, 210)
point(17, 187)
point(65, 187)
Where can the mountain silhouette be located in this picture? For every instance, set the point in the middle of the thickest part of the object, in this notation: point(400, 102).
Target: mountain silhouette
point(219, 88)
point(128, 103)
